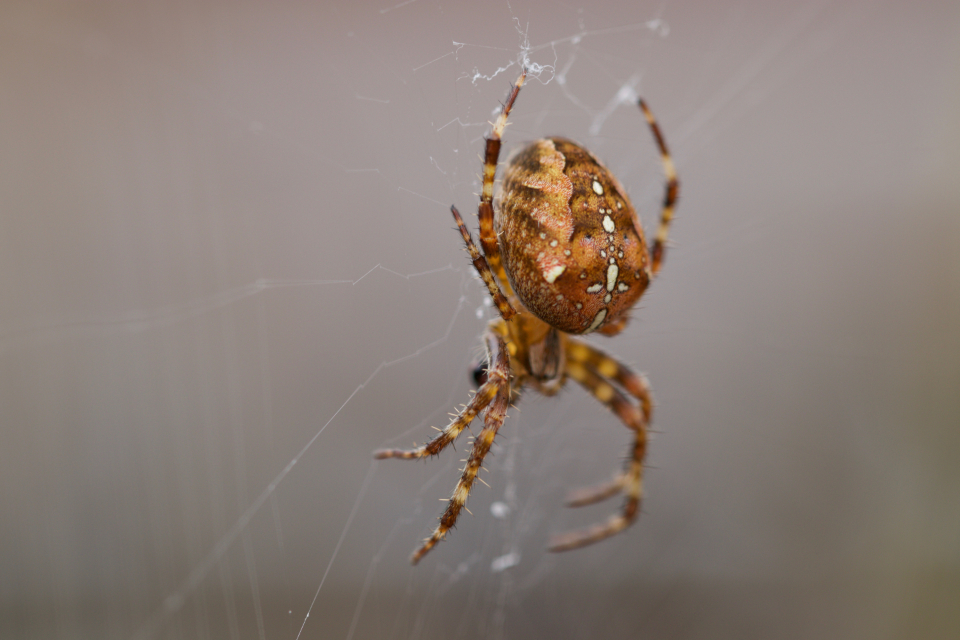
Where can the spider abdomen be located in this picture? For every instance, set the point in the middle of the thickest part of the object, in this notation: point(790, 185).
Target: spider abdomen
point(570, 240)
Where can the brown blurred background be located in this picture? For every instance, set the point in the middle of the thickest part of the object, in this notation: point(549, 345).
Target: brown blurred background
point(228, 273)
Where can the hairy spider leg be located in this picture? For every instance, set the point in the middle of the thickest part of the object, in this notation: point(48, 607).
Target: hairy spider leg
point(630, 482)
point(670, 195)
point(480, 400)
point(480, 264)
point(488, 236)
point(634, 383)
point(489, 263)
point(496, 411)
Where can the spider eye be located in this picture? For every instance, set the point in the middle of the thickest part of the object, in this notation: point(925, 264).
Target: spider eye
point(479, 373)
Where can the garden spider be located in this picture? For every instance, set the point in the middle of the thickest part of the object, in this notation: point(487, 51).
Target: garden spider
point(563, 254)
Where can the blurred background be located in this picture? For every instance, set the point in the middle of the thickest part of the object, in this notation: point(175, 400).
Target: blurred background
point(228, 273)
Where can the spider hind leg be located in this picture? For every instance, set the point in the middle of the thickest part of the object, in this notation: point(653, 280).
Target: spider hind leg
point(671, 191)
point(488, 264)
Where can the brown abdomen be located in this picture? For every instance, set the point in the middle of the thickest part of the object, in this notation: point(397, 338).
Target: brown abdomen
point(570, 240)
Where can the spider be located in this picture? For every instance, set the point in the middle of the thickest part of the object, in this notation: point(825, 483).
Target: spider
point(563, 255)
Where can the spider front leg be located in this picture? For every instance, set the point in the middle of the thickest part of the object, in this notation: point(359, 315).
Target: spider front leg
point(446, 437)
point(594, 370)
point(499, 376)
point(491, 399)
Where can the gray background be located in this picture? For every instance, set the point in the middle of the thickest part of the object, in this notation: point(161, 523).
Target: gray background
point(228, 273)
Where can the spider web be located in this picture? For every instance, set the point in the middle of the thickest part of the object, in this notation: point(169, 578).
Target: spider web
point(230, 274)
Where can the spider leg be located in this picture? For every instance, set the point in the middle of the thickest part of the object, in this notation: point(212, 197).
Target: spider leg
point(483, 397)
point(488, 236)
point(604, 365)
point(671, 191)
point(499, 377)
point(480, 263)
point(488, 264)
point(584, 367)
point(446, 437)
point(596, 493)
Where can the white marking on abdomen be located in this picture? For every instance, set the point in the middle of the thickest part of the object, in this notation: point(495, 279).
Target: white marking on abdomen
point(612, 272)
point(551, 274)
point(597, 320)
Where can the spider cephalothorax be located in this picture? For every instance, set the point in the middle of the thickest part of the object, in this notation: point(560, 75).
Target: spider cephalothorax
point(563, 254)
